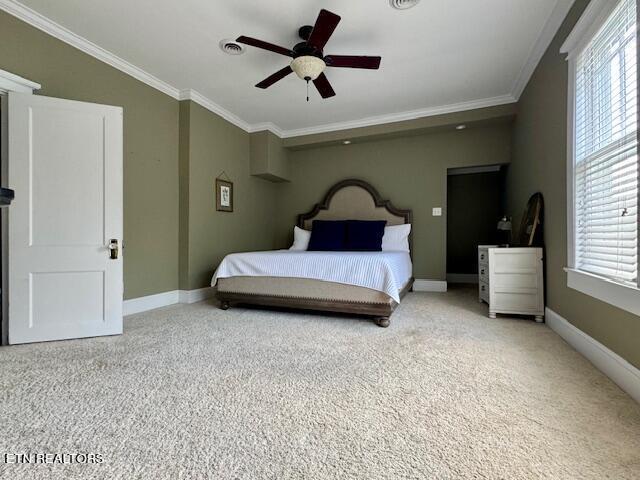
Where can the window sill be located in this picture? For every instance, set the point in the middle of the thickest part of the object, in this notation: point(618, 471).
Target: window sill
point(621, 296)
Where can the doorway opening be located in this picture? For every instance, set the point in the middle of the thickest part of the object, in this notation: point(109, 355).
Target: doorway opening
point(475, 205)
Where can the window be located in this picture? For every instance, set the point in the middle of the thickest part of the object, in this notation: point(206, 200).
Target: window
point(603, 180)
point(606, 161)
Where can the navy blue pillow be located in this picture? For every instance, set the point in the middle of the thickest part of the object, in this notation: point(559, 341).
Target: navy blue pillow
point(328, 236)
point(365, 235)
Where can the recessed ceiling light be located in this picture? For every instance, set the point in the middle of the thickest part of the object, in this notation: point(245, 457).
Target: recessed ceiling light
point(231, 47)
point(347, 142)
point(461, 127)
point(403, 4)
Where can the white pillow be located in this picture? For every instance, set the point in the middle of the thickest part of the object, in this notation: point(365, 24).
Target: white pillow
point(300, 239)
point(396, 238)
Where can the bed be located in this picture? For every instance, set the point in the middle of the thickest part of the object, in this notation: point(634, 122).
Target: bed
point(362, 283)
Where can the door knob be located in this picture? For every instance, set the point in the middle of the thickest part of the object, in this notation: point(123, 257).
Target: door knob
point(113, 248)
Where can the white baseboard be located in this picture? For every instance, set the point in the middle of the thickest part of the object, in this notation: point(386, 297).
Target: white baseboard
point(193, 296)
point(143, 304)
point(429, 285)
point(151, 302)
point(462, 278)
point(625, 375)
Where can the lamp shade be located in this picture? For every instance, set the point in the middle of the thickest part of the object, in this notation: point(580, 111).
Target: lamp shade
point(504, 224)
point(308, 67)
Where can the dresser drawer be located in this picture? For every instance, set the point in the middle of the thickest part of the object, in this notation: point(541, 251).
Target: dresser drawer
point(515, 282)
point(483, 273)
point(483, 291)
point(515, 260)
point(517, 303)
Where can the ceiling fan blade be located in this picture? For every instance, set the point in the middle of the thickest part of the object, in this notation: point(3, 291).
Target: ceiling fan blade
point(279, 75)
point(352, 61)
point(254, 42)
point(323, 86)
point(323, 29)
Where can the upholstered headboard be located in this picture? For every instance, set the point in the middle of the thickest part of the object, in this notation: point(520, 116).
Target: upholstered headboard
point(355, 199)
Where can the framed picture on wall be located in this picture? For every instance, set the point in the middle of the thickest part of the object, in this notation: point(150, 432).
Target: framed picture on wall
point(224, 195)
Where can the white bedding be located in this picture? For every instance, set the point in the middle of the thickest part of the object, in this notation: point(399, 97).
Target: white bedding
point(386, 272)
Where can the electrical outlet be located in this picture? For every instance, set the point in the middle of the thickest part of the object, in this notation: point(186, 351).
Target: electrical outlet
point(437, 211)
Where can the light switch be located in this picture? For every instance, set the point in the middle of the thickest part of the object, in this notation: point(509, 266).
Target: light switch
point(437, 211)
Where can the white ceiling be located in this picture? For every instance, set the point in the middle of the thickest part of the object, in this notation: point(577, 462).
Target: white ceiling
point(442, 55)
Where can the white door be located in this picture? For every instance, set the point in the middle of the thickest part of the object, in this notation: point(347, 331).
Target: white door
point(65, 165)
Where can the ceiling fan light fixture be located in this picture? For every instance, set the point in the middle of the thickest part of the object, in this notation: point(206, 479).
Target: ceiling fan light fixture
point(308, 67)
point(308, 56)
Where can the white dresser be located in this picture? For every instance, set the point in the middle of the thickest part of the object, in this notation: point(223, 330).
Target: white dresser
point(511, 280)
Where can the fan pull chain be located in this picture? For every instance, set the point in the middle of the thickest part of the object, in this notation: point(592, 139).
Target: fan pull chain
point(307, 89)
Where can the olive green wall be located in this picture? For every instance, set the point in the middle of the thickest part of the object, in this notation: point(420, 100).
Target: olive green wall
point(279, 165)
point(214, 146)
point(411, 172)
point(183, 182)
point(259, 153)
point(150, 145)
point(540, 164)
point(269, 158)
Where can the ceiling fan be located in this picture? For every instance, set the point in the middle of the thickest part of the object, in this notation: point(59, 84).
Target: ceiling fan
point(309, 60)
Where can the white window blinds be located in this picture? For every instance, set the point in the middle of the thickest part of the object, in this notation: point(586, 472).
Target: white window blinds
point(606, 159)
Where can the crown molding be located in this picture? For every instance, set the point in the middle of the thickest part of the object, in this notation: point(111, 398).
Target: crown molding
point(538, 50)
point(272, 127)
point(52, 28)
point(56, 30)
point(212, 106)
point(401, 117)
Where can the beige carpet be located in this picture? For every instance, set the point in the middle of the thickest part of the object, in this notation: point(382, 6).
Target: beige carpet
point(192, 392)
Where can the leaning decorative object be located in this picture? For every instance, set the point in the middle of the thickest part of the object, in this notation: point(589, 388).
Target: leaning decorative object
point(531, 226)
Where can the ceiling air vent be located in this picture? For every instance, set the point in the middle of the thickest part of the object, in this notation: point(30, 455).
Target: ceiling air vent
point(403, 4)
point(231, 47)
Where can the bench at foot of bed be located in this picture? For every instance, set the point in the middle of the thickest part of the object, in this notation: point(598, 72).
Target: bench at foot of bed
point(380, 314)
point(378, 310)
